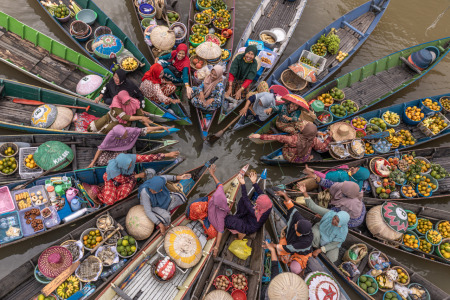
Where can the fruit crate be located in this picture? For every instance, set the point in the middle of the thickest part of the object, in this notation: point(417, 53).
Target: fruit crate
point(427, 131)
point(316, 59)
point(24, 172)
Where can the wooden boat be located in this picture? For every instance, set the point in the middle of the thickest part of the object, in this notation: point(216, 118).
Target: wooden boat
point(83, 149)
point(438, 155)
point(13, 115)
point(269, 14)
point(43, 58)
point(90, 176)
point(276, 158)
point(206, 118)
point(353, 28)
point(136, 279)
point(415, 277)
point(21, 283)
point(373, 83)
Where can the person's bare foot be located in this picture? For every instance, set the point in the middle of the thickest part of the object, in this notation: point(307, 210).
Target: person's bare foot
point(240, 236)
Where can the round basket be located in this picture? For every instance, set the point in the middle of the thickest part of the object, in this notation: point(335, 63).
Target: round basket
point(388, 124)
point(65, 19)
point(443, 107)
point(352, 152)
point(88, 46)
point(216, 10)
point(310, 49)
point(426, 110)
point(223, 276)
point(86, 271)
point(194, 44)
point(180, 32)
point(421, 195)
point(5, 146)
point(416, 230)
point(129, 70)
point(292, 81)
point(372, 167)
point(212, 38)
point(426, 161)
point(288, 285)
point(325, 114)
point(437, 250)
point(431, 249)
point(376, 253)
point(86, 37)
point(436, 226)
point(101, 30)
point(360, 133)
point(113, 249)
point(229, 55)
point(177, 20)
point(147, 10)
point(392, 292)
point(376, 283)
point(407, 248)
point(337, 117)
point(372, 128)
point(105, 222)
point(408, 120)
point(220, 29)
point(207, 23)
point(209, 51)
point(87, 15)
point(200, 59)
point(145, 22)
point(70, 242)
point(201, 26)
point(218, 295)
point(361, 255)
point(153, 268)
point(137, 3)
point(412, 227)
point(86, 232)
point(40, 277)
point(359, 117)
point(419, 286)
point(426, 237)
point(11, 173)
point(433, 181)
point(235, 287)
point(183, 246)
point(272, 35)
point(377, 219)
point(201, 8)
point(128, 256)
point(336, 156)
point(404, 271)
point(79, 28)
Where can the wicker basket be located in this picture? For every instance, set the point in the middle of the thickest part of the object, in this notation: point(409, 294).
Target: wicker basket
point(74, 241)
point(214, 38)
point(440, 102)
point(5, 146)
point(94, 273)
point(125, 57)
point(206, 24)
point(372, 164)
point(88, 46)
point(14, 171)
point(363, 253)
point(386, 258)
point(101, 30)
point(171, 22)
point(200, 59)
point(292, 81)
point(404, 271)
point(79, 28)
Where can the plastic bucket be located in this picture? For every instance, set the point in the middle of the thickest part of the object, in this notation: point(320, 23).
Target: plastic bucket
point(408, 248)
point(417, 220)
point(336, 117)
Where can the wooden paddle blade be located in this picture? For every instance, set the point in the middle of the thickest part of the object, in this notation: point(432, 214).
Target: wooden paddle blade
point(27, 101)
point(53, 285)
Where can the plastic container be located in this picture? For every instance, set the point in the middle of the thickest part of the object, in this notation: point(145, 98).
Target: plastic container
point(6, 200)
point(41, 278)
point(330, 119)
point(376, 290)
point(223, 276)
point(408, 120)
point(388, 124)
point(437, 250)
point(38, 191)
point(147, 10)
point(201, 8)
point(88, 16)
point(377, 150)
point(417, 221)
point(422, 287)
point(51, 191)
point(359, 117)
point(53, 219)
point(6, 221)
point(417, 231)
point(316, 59)
point(271, 34)
point(75, 204)
point(393, 292)
point(334, 116)
point(426, 237)
point(310, 49)
point(24, 172)
point(26, 228)
point(406, 247)
point(13, 196)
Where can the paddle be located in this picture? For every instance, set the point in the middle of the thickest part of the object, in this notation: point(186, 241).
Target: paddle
point(37, 103)
point(213, 138)
point(53, 285)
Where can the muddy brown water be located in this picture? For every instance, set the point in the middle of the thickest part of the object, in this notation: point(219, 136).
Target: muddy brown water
point(403, 25)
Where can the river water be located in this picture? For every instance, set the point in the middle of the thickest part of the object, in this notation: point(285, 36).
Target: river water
point(404, 24)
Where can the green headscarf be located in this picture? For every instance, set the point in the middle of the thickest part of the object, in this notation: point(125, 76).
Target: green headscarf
point(242, 70)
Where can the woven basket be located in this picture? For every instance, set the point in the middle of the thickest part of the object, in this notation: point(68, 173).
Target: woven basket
point(183, 246)
point(206, 24)
point(79, 28)
point(214, 38)
point(125, 57)
point(162, 38)
point(88, 46)
point(101, 30)
point(138, 224)
point(199, 58)
point(288, 286)
point(209, 51)
point(362, 253)
point(91, 274)
point(375, 252)
point(5, 146)
point(378, 227)
point(292, 81)
point(372, 164)
point(177, 20)
point(14, 171)
point(73, 241)
point(63, 118)
point(404, 271)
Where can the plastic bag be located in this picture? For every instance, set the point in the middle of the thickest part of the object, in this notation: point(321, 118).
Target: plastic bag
point(240, 249)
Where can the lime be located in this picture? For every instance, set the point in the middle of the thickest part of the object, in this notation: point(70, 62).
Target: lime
point(363, 286)
point(41, 297)
point(371, 290)
point(128, 248)
point(120, 249)
point(363, 279)
point(119, 242)
point(124, 242)
point(126, 237)
point(131, 240)
point(133, 249)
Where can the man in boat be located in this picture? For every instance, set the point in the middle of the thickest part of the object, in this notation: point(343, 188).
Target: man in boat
point(158, 201)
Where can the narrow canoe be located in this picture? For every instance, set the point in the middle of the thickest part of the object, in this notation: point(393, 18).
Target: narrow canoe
point(352, 238)
point(270, 14)
point(21, 283)
point(39, 57)
point(15, 116)
point(83, 149)
point(90, 176)
point(206, 118)
point(135, 76)
point(373, 83)
point(438, 155)
point(353, 28)
point(136, 277)
point(275, 158)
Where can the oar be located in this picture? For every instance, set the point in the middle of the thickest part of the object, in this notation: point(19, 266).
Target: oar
point(213, 138)
point(37, 103)
point(53, 285)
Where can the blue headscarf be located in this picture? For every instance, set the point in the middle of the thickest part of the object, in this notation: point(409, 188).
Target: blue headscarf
point(330, 233)
point(121, 165)
point(158, 192)
point(341, 176)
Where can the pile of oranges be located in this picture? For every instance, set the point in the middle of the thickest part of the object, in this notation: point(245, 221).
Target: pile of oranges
point(29, 162)
point(326, 99)
point(414, 113)
point(444, 229)
point(359, 122)
point(408, 191)
point(424, 225)
point(411, 241)
point(433, 105)
point(412, 218)
point(369, 149)
point(92, 239)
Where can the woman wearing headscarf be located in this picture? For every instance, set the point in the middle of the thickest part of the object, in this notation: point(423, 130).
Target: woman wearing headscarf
point(330, 232)
point(120, 177)
point(261, 106)
point(123, 110)
point(249, 217)
point(177, 66)
point(156, 90)
point(297, 147)
point(211, 211)
point(242, 73)
point(344, 173)
point(119, 140)
point(295, 246)
point(209, 94)
point(158, 201)
point(118, 83)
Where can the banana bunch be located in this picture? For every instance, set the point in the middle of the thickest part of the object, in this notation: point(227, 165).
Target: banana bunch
point(393, 138)
point(225, 54)
point(129, 64)
point(68, 287)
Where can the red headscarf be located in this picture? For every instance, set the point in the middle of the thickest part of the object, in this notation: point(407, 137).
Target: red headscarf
point(180, 64)
point(153, 74)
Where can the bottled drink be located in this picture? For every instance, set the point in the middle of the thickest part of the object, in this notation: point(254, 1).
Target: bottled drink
point(113, 268)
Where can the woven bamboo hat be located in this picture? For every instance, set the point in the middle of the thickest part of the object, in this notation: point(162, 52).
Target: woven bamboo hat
point(138, 224)
point(63, 118)
point(54, 260)
point(287, 285)
point(218, 295)
point(183, 246)
point(208, 50)
point(162, 38)
point(388, 221)
point(342, 131)
point(322, 286)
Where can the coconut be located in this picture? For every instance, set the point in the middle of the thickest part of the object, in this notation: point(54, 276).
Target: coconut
point(138, 224)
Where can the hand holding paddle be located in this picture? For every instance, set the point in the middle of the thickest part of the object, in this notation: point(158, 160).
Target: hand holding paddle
point(213, 138)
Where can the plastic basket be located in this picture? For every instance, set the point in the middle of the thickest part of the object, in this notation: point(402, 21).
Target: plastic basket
point(316, 59)
point(426, 237)
point(393, 292)
point(417, 221)
point(38, 191)
point(201, 8)
point(421, 286)
point(375, 282)
point(388, 124)
point(336, 117)
point(426, 110)
point(5, 146)
point(408, 120)
point(223, 276)
point(404, 247)
point(403, 195)
point(25, 172)
point(433, 180)
point(27, 229)
point(195, 45)
point(427, 131)
point(381, 152)
point(431, 249)
point(351, 123)
point(437, 249)
point(436, 226)
point(418, 193)
point(6, 221)
point(6, 200)
point(417, 231)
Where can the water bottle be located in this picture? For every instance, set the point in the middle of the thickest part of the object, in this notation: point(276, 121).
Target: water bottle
point(113, 268)
point(71, 193)
point(75, 204)
point(397, 153)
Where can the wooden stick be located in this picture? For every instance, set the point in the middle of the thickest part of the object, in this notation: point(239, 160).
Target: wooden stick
point(212, 280)
point(37, 103)
point(212, 139)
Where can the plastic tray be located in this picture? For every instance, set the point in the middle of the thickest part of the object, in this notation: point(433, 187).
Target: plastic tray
point(54, 219)
point(316, 59)
point(26, 228)
point(13, 195)
point(6, 221)
point(6, 201)
point(39, 188)
point(24, 172)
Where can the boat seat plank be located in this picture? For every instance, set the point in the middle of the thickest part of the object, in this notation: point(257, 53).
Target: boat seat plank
point(51, 70)
point(15, 57)
point(24, 47)
point(396, 76)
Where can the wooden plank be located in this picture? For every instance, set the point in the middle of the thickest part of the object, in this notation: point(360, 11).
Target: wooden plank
point(237, 266)
point(16, 58)
point(51, 70)
point(25, 46)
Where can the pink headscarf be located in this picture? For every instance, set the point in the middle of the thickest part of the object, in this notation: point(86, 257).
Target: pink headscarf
point(120, 101)
point(348, 197)
point(218, 209)
point(263, 204)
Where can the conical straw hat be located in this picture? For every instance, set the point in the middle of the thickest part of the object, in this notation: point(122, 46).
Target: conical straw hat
point(342, 131)
point(218, 295)
point(183, 246)
point(63, 118)
point(208, 50)
point(287, 286)
point(162, 38)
